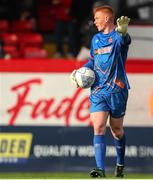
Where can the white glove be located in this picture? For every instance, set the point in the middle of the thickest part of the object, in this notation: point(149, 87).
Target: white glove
point(122, 24)
point(73, 79)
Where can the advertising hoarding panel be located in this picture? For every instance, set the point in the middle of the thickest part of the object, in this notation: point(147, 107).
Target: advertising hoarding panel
point(40, 102)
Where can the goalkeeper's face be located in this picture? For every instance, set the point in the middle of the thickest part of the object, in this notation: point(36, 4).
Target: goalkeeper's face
point(104, 18)
point(100, 20)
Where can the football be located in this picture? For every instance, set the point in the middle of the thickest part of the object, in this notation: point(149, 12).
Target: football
point(85, 77)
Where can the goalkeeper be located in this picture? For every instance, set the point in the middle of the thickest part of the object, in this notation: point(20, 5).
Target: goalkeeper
point(109, 93)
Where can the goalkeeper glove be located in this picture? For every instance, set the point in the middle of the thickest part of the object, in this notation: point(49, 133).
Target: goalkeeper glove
point(122, 25)
point(73, 79)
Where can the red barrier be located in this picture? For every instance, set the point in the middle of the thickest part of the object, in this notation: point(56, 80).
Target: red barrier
point(66, 66)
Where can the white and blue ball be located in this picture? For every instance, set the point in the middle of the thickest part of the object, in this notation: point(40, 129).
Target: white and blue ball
point(85, 77)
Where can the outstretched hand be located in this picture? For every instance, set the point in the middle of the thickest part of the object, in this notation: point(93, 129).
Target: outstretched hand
point(122, 24)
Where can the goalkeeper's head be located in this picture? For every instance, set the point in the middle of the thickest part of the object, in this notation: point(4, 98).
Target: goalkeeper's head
point(103, 17)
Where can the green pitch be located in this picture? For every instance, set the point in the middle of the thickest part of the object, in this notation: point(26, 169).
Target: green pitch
point(66, 176)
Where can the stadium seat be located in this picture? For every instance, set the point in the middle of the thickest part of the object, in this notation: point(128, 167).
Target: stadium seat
point(10, 39)
point(12, 51)
point(4, 26)
point(34, 52)
point(31, 40)
point(19, 26)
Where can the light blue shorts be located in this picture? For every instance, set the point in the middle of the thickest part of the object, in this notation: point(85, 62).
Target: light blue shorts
point(115, 103)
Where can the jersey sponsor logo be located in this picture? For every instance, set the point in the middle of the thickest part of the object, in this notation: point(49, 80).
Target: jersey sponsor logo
point(103, 50)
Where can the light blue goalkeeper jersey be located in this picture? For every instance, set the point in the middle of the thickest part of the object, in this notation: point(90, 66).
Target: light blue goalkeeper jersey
point(108, 56)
